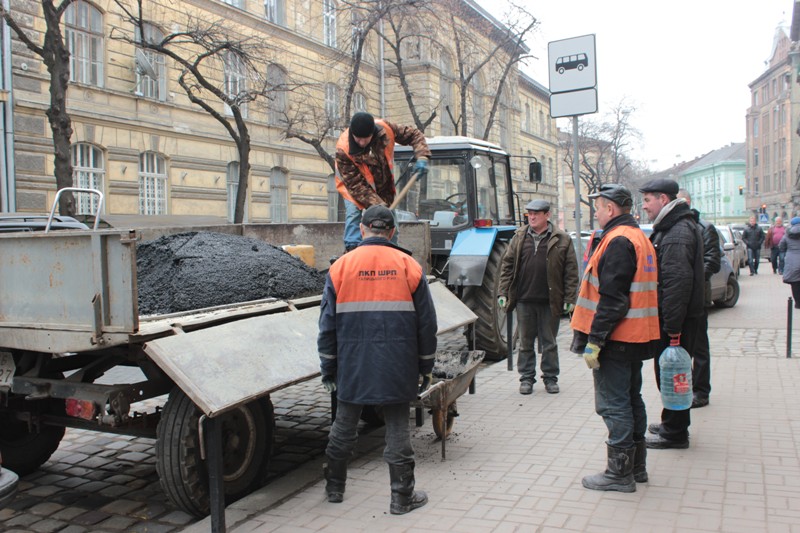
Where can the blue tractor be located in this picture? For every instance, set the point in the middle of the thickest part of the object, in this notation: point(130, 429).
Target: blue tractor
point(469, 202)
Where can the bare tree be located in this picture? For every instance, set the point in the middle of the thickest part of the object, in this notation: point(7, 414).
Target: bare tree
point(603, 151)
point(55, 56)
point(217, 66)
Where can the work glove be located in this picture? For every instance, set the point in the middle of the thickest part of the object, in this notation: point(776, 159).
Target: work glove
point(329, 382)
point(568, 308)
point(591, 354)
point(502, 302)
point(426, 382)
point(421, 168)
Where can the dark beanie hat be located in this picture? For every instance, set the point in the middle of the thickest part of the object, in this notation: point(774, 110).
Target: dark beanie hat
point(362, 125)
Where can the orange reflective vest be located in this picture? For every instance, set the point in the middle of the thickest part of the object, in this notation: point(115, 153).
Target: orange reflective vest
point(343, 144)
point(640, 324)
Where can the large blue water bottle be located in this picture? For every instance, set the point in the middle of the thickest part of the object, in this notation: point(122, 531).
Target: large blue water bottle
point(676, 376)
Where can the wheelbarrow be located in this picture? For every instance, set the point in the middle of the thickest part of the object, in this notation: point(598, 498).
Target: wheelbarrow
point(453, 373)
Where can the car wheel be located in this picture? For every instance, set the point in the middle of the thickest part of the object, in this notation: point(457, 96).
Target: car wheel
point(731, 294)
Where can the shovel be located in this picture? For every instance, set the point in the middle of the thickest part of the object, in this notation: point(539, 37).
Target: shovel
point(404, 190)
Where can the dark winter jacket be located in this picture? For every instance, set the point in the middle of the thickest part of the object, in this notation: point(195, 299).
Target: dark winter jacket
point(616, 270)
point(377, 325)
point(562, 270)
point(753, 236)
point(790, 243)
point(678, 241)
point(712, 252)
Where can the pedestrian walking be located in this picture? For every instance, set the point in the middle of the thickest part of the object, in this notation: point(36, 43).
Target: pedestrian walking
point(772, 241)
point(753, 237)
point(538, 278)
point(615, 327)
point(712, 259)
point(364, 163)
point(790, 246)
point(678, 242)
point(377, 335)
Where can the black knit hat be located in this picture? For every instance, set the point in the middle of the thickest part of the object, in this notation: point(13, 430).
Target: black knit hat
point(362, 125)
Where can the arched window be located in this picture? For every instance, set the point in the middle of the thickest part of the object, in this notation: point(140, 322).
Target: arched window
point(83, 35)
point(329, 22)
point(147, 86)
point(88, 172)
point(359, 102)
point(235, 81)
point(275, 11)
point(277, 104)
point(446, 93)
point(279, 195)
point(152, 184)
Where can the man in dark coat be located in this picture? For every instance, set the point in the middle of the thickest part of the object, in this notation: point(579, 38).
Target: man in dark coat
point(753, 237)
point(712, 259)
point(377, 335)
point(678, 241)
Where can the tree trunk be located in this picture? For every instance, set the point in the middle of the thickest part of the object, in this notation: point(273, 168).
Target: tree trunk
point(244, 172)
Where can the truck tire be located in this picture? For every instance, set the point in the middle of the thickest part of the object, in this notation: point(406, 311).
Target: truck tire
point(490, 328)
point(24, 451)
point(247, 436)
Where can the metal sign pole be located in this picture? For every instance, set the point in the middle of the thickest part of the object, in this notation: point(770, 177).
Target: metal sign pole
point(576, 181)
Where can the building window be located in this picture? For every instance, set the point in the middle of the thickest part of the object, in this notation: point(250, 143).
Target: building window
point(787, 82)
point(357, 30)
point(83, 35)
point(88, 171)
point(755, 184)
point(359, 102)
point(333, 200)
point(235, 3)
point(528, 124)
point(755, 157)
point(152, 184)
point(541, 123)
point(446, 93)
point(235, 82)
point(332, 103)
point(329, 22)
point(279, 195)
point(755, 98)
point(277, 101)
point(146, 85)
point(477, 107)
point(755, 126)
point(275, 11)
point(232, 187)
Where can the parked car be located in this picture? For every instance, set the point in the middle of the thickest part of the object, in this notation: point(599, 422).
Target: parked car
point(11, 222)
point(8, 485)
point(724, 285)
point(735, 250)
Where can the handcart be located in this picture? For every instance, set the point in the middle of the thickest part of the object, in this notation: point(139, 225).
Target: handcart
point(453, 373)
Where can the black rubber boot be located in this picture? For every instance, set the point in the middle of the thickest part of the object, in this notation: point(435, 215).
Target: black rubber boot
point(404, 498)
point(640, 461)
point(619, 472)
point(336, 477)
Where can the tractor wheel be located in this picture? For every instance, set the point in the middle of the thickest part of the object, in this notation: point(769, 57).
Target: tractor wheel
point(247, 435)
point(490, 328)
point(24, 451)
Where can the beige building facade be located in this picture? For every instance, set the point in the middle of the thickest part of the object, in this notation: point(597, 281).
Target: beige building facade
point(141, 141)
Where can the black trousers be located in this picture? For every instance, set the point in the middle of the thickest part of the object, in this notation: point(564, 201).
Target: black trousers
point(701, 360)
point(675, 424)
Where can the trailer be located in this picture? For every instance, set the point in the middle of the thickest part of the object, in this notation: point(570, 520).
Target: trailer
point(69, 315)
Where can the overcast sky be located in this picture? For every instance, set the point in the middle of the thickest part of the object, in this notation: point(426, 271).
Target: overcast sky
point(685, 65)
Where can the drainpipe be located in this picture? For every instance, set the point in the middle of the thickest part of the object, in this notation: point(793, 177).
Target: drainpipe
point(8, 190)
point(382, 73)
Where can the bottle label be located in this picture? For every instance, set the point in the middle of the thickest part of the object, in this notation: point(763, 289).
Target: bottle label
point(680, 384)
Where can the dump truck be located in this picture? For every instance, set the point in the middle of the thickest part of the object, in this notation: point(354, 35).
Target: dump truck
point(468, 200)
point(69, 315)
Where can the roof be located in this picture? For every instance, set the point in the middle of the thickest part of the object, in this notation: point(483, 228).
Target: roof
point(534, 84)
point(454, 143)
point(735, 152)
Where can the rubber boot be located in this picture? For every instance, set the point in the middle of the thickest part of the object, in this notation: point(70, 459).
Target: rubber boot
point(640, 461)
point(404, 498)
point(619, 472)
point(336, 476)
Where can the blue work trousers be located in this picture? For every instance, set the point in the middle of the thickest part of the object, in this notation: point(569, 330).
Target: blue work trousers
point(618, 399)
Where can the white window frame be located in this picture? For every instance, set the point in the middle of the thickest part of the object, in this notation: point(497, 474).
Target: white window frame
point(478, 111)
point(359, 102)
point(274, 11)
point(332, 103)
point(235, 80)
point(278, 103)
point(152, 184)
point(329, 22)
point(88, 172)
point(145, 85)
point(232, 188)
point(333, 199)
point(235, 3)
point(279, 195)
point(84, 38)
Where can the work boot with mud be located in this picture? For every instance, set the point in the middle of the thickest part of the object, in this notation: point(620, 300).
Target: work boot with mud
point(404, 498)
point(336, 476)
point(618, 475)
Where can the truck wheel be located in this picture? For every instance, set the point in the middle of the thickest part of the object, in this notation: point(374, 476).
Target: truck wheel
point(24, 451)
point(490, 328)
point(247, 435)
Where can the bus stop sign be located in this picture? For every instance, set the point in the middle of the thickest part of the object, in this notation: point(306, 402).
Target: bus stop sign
point(572, 68)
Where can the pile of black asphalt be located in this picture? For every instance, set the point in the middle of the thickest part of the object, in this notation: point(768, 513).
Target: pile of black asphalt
point(195, 270)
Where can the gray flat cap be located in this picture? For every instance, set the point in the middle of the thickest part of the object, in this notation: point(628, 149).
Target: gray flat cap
point(662, 185)
point(619, 194)
point(538, 205)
